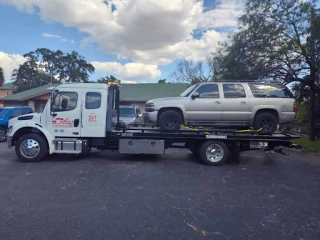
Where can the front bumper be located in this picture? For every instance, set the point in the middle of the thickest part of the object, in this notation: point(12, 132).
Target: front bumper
point(151, 117)
point(9, 142)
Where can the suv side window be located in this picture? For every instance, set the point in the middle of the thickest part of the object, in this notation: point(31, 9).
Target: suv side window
point(268, 91)
point(26, 111)
point(65, 101)
point(16, 113)
point(234, 91)
point(93, 100)
point(208, 91)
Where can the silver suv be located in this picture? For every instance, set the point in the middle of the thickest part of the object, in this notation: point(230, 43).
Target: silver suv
point(225, 104)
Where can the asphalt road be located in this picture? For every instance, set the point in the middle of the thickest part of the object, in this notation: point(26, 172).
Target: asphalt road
point(109, 196)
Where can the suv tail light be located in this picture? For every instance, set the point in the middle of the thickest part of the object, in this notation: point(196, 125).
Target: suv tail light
point(295, 107)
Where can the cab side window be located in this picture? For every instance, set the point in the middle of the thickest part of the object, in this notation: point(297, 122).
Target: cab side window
point(93, 100)
point(208, 91)
point(234, 91)
point(65, 101)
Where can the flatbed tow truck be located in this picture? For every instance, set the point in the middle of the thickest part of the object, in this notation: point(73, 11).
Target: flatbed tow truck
point(78, 117)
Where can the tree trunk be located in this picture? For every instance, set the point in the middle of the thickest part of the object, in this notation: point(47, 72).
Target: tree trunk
point(312, 108)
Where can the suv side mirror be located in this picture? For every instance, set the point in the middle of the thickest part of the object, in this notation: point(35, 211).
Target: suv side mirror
point(195, 95)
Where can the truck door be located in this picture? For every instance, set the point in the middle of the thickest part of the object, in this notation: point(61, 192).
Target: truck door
point(94, 113)
point(65, 119)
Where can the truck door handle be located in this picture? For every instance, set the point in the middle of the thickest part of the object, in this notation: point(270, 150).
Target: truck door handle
point(243, 102)
point(217, 102)
point(76, 123)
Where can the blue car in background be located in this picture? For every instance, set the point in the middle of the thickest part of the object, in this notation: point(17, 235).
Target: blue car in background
point(6, 114)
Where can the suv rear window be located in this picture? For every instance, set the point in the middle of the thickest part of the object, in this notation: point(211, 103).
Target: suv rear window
point(268, 91)
point(233, 91)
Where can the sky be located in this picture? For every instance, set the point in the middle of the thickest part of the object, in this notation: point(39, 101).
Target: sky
point(135, 40)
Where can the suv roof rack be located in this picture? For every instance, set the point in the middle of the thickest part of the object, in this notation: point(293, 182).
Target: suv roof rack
point(238, 80)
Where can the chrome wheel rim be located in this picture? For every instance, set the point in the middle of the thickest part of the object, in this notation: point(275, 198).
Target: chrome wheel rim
point(214, 153)
point(30, 148)
point(2, 135)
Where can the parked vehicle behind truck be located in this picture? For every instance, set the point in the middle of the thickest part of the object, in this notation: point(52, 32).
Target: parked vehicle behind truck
point(8, 113)
point(225, 104)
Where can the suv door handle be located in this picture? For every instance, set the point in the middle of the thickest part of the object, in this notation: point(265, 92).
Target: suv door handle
point(218, 102)
point(243, 102)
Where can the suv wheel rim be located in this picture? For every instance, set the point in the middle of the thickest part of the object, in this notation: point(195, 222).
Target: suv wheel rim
point(2, 134)
point(266, 124)
point(30, 148)
point(214, 153)
point(170, 122)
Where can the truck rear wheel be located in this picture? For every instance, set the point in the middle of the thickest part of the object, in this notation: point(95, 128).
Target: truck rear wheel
point(214, 153)
point(31, 147)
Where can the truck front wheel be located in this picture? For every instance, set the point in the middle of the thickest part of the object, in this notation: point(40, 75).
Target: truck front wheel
point(214, 153)
point(31, 147)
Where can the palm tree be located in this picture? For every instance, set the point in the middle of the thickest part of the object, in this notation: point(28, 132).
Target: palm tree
point(1, 77)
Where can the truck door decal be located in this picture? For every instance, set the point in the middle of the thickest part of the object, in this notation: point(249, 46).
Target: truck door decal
point(62, 123)
point(92, 118)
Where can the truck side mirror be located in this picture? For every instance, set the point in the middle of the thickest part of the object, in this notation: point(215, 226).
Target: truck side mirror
point(52, 101)
point(195, 95)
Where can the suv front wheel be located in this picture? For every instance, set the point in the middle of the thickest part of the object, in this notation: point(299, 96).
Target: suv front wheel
point(267, 122)
point(170, 120)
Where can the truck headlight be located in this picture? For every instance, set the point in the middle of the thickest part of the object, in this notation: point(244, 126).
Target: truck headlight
point(149, 104)
point(9, 129)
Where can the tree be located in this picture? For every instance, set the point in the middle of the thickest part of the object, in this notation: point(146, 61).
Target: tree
point(1, 77)
point(29, 76)
point(108, 79)
point(279, 40)
point(161, 81)
point(44, 66)
point(200, 71)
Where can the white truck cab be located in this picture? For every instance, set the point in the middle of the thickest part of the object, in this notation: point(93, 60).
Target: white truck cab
point(73, 111)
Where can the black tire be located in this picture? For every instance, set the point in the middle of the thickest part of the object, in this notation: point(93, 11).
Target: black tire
point(219, 145)
point(3, 134)
point(41, 143)
point(267, 121)
point(170, 120)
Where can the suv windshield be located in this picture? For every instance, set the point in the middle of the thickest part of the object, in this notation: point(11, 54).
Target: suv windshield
point(187, 92)
point(126, 112)
point(4, 113)
point(270, 91)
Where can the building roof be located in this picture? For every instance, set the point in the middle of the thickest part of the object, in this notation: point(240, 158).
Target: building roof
point(29, 93)
point(128, 92)
point(7, 86)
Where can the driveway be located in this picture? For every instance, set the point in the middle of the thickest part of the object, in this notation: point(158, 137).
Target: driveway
point(110, 196)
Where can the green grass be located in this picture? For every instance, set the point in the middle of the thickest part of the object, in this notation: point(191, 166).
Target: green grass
point(307, 146)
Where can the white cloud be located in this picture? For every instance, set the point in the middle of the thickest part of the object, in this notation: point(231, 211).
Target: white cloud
point(128, 72)
point(49, 35)
point(146, 31)
point(9, 62)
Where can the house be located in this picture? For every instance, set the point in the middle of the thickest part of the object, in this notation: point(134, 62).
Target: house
point(5, 90)
point(130, 95)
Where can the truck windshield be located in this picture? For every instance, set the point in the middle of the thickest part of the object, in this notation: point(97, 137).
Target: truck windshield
point(126, 112)
point(4, 113)
point(187, 92)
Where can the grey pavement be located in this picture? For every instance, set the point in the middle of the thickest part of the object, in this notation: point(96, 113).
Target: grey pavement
point(111, 196)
